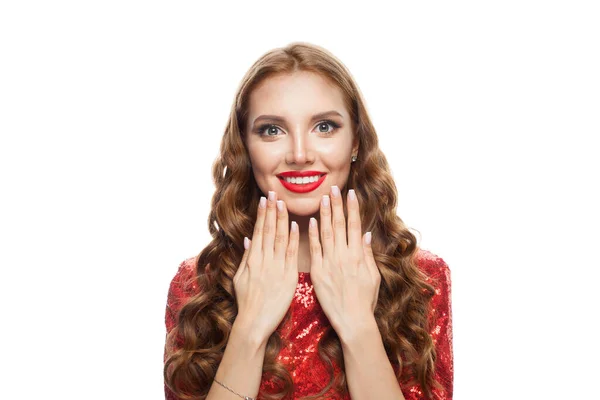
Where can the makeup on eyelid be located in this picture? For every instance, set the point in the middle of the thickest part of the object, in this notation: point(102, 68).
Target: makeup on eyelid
point(334, 127)
point(288, 117)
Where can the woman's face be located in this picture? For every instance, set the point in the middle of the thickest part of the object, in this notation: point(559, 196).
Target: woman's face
point(286, 135)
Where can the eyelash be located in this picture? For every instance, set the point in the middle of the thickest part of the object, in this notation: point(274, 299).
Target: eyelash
point(261, 129)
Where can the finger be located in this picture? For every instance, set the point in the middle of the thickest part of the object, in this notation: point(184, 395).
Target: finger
point(281, 232)
point(354, 225)
point(368, 254)
point(269, 227)
point(242, 266)
point(316, 255)
point(372, 266)
point(326, 228)
point(291, 254)
point(338, 219)
point(376, 298)
point(257, 235)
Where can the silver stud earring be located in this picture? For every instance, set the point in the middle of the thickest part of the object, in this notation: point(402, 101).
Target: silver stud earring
point(354, 158)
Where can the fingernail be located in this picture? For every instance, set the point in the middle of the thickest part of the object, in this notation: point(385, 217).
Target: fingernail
point(294, 226)
point(335, 191)
point(263, 202)
point(271, 196)
point(325, 201)
point(280, 205)
point(368, 238)
point(351, 194)
point(246, 243)
point(313, 222)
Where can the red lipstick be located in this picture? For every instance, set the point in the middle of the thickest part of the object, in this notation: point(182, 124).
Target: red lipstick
point(301, 188)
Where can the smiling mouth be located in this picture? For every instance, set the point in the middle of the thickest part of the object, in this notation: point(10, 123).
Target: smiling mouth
point(301, 180)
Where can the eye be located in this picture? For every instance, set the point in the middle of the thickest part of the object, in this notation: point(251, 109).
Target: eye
point(269, 128)
point(325, 123)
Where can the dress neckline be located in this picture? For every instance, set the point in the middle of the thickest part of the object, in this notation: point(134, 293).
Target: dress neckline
point(304, 277)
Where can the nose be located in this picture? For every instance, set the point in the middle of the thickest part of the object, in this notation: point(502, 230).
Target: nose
point(300, 152)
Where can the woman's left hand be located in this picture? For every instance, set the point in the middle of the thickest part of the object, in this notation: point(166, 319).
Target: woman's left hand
point(344, 274)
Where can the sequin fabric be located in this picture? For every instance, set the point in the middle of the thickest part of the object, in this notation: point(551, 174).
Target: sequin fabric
point(308, 323)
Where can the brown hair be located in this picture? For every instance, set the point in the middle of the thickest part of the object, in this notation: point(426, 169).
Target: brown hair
point(205, 321)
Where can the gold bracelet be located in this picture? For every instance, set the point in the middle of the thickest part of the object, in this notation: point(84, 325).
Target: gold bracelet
point(243, 397)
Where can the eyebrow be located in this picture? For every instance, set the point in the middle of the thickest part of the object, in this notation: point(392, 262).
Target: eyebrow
point(278, 119)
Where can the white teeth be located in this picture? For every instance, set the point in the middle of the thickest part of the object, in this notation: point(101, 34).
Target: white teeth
point(303, 180)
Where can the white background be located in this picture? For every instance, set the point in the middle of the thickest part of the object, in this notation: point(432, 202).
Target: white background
point(111, 114)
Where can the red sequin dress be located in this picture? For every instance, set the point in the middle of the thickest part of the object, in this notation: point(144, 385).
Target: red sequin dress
point(308, 323)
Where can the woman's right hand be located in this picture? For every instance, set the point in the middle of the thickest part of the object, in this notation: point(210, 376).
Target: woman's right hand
point(266, 279)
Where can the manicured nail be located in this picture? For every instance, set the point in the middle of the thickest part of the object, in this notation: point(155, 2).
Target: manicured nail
point(280, 205)
point(351, 194)
point(246, 242)
point(368, 238)
point(313, 222)
point(294, 226)
point(271, 196)
point(335, 191)
point(263, 202)
point(325, 201)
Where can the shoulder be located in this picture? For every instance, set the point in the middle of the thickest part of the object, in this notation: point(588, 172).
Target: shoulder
point(186, 269)
point(432, 265)
point(184, 284)
point(440, 318)
point(437, 273)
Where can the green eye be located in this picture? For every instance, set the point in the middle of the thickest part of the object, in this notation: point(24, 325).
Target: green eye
point(266, 130)
point(261, 129)
point(333, 125)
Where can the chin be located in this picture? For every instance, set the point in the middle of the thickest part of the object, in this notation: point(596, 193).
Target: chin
point(303, 208)
point(304, 212)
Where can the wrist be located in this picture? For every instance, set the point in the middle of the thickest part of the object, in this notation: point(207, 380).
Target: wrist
point(245, 332)
point(356, 332)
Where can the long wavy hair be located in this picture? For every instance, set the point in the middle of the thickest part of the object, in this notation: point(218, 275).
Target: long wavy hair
point(196, 344)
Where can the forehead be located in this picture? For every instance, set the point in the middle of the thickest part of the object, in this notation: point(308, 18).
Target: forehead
point(301, 93)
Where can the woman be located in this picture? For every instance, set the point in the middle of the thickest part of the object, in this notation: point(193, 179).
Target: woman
point(331, 297)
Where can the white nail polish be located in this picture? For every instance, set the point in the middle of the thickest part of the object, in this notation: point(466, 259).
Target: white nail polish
point(335, 191)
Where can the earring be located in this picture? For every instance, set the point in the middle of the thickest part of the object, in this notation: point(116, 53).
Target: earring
point(354, 158)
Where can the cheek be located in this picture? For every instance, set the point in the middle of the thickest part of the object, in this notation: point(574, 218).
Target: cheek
point(335, 155)
point(263, 160)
